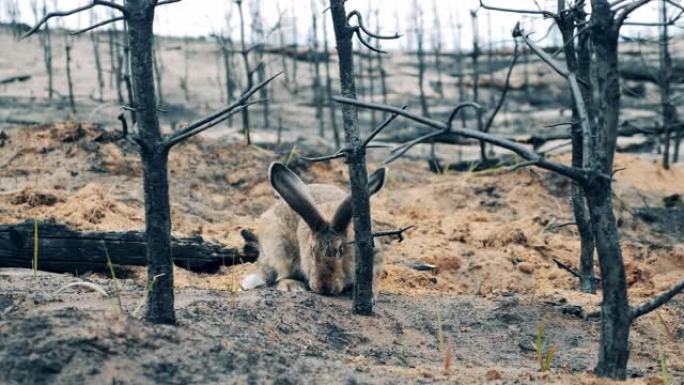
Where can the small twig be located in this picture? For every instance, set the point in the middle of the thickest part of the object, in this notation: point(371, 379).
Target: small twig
point(381, 127)
point(507, 86)
point(341, 153)
point(567, 268)
point(390, 233)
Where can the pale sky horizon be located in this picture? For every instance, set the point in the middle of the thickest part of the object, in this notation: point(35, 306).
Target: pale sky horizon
point(204, 17)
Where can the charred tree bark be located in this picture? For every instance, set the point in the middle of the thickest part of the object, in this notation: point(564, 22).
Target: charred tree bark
point(668, 111)
point(259, 40)
point(64, 250)
point(317, 88)
point(295, 47)
point(578, 60)
point(363, 236)
point(184, 81)
point(371, 80)
point(154, 156)
point(98, 67)
point(437, 49)
point(70, 83)
point(329, 88)
point(381, 67)
point(457, 28)
point(475, 56)
point(249, 74)
point(615, 312)
point(420, 53)
point(46, 39)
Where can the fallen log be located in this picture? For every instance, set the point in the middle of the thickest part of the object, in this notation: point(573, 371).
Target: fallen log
point(62, 249)
point(640, 71)
point(15, 79)
point(626, 130)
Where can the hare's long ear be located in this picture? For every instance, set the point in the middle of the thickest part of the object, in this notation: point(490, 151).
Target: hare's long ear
point(343, 215)
point(296, 194)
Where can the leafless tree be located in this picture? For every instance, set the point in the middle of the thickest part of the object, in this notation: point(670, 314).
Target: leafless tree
point(668, 110)
point(152, 145)
point(46, 44)
point(329, 86)
point(457, 28)
point(317, 84)
point(68, 45)
point(355, 152)
point(437, 47)
point(98, 61)
point(419, 33)
point(475, 56)
point(598, 152)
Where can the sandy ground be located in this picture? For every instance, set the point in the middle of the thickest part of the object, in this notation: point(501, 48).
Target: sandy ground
point(492, 237)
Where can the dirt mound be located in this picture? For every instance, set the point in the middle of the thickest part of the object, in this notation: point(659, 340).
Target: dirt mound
point(33, 198)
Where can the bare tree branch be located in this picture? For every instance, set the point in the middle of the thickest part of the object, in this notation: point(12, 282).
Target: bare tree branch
point(627, 9)
point(525, 11)
point(98, 25)
point(342, 152)
point(165, 2)
point(359, 18)
point(580, 175)
point(507, 86)
point(657, 302)
point(50, 15)
point(228, 110)
point(401, 150)
point(381, 127)
point(187, 135)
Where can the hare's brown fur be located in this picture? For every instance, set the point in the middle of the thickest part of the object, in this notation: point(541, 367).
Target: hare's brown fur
point(295, 256)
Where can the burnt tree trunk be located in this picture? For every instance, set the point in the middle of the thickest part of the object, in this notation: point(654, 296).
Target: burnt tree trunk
point(363, 237)
point(381, 67)
point(457, 27)
point(249, 74)
point(329, 88)
point(46, 39)
point(70, 83)
point(371, 80)
point(154, 156)
point(317, 88)
point(475, 56)
point(295, 48)
point(615, 312)
point(98, 66)
point(420, 52)
point(578, 60)
point(668, 111)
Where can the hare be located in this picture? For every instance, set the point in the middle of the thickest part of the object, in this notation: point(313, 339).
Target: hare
point(304, 239)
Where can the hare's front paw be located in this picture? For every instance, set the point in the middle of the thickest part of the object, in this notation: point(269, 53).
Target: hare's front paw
point(252, 281)
point(290, 285)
